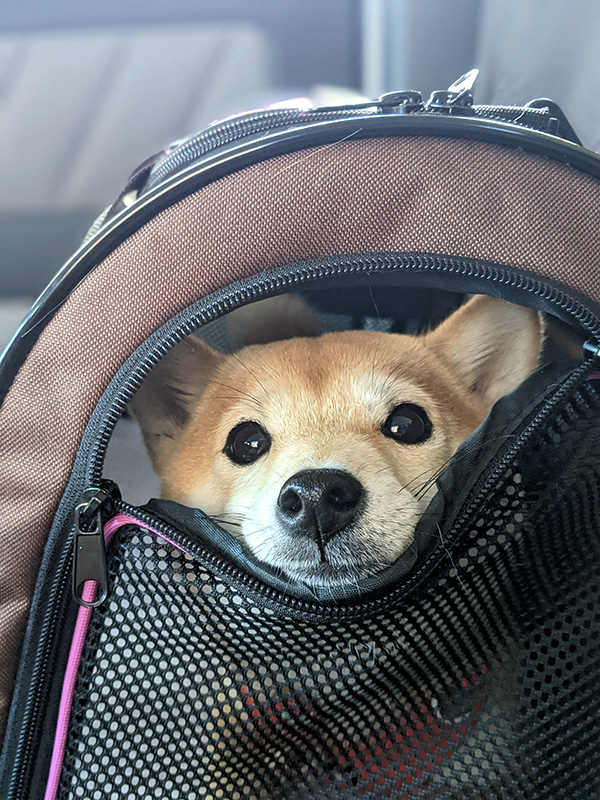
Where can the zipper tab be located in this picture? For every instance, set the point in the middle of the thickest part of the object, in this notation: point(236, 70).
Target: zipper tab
point(89, 555)
point(458, 97)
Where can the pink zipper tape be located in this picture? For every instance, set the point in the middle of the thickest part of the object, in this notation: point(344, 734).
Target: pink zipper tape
point(74, 660)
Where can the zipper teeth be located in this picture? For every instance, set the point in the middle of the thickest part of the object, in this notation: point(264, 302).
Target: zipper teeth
point(37, 699)
point(304, 274)
point(199, 551)
point(227, 132)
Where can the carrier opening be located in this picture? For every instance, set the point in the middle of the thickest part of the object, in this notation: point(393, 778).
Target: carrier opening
point(376, 308)
point(299, 425)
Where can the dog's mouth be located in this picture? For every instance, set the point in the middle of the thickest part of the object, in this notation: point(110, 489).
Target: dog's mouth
point(356, 552)
point(326, 574)
point(353, 554)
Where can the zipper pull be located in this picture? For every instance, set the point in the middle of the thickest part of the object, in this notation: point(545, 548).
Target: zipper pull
point(89, 555)
point(457, 98)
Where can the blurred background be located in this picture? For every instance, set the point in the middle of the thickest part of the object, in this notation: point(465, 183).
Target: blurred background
point(89, 90)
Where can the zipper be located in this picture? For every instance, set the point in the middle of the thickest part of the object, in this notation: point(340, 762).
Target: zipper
point(541, 115)
point(186, 152)
point(89, 552)
point(55, 617)
point(253, 124)
point(89, 559)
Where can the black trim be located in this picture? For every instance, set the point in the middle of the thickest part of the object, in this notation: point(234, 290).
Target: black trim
point(242, 155)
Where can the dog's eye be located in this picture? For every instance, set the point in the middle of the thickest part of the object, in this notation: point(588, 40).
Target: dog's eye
point(407, 423)
point(247, 442)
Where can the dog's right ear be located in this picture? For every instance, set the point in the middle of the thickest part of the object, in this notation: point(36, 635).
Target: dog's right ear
point(490, 344)
point(163, 403)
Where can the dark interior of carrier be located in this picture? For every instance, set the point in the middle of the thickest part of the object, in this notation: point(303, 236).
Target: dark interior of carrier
point(475, 676)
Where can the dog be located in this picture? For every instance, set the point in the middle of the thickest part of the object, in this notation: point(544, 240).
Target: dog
point(320, 452)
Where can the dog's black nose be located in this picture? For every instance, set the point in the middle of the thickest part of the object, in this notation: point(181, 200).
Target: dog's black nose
point(319, 502)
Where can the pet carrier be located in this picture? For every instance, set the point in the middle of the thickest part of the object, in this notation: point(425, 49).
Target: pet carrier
point(187, 669)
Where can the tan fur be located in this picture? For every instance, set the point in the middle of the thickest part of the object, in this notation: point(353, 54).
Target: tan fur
point(323, 401)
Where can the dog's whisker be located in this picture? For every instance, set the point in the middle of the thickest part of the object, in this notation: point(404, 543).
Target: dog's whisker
point(232, 516)
point(436, 470)
point(227, 522)
point(423, 488)
point(386, 469)
point(435, 474)
point(242, 514)
point(279, 475)
point(247, 368)
point(426, 485)
point(229, 397)
point(239, 392)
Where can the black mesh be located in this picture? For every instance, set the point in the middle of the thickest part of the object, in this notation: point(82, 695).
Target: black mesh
point(481, 682)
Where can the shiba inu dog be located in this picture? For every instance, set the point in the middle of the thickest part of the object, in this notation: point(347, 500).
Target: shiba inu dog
point(321, 452)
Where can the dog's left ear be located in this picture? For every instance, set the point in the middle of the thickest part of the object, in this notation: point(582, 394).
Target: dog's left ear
point(492, 345)
point(163, 403)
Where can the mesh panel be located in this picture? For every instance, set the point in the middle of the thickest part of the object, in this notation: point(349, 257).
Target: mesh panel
point(480, 683)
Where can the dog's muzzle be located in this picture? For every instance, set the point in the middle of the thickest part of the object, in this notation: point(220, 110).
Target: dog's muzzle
point(319, 503)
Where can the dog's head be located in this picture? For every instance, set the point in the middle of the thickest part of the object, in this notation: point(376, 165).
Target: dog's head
point(321, 453)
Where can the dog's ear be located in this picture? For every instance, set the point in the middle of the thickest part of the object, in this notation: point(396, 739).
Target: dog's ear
point(163, 403)
point(492, 345)
point(283, 317)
